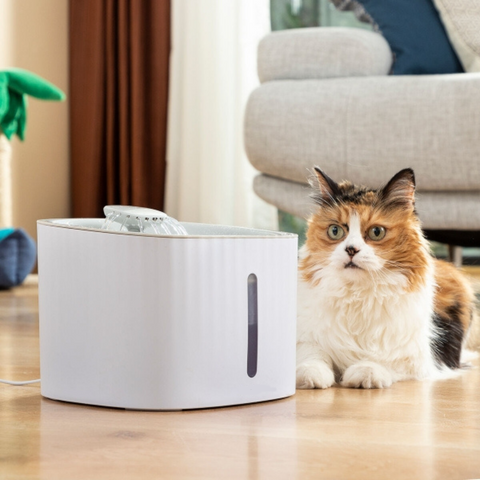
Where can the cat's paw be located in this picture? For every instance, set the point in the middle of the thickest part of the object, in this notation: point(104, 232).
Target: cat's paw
point(314, 374)
point(366, 375)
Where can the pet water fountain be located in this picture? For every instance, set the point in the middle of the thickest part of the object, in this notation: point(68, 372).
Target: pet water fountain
point(139, 311)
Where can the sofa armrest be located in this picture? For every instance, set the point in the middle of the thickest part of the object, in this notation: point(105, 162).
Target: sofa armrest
point(325, 52)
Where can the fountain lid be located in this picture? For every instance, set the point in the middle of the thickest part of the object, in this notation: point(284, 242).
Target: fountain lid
point(142, 220)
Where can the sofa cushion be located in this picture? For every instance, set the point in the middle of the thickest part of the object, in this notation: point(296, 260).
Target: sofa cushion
point(461, 19)
point(437, 210)
point(368, 128)
point(414, 32)
point(322, 53)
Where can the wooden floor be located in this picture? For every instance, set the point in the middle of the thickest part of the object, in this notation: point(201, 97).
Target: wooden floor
point(412, 430)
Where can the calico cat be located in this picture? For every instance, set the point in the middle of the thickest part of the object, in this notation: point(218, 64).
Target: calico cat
point(374, 307)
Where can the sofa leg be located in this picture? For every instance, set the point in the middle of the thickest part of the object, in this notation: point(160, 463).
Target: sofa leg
point(455, 255)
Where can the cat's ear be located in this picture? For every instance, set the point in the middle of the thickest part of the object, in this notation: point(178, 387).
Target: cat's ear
point(400, 190)
point(327, 189)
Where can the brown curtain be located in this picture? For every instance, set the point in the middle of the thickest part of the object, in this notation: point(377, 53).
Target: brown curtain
point(119, 53)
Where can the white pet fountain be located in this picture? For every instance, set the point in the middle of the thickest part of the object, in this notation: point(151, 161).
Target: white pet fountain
point(139, 311)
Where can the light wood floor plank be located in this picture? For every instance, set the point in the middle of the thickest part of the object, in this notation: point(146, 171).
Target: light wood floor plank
point(412, 430)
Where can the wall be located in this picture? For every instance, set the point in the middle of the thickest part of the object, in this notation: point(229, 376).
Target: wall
point(34, 36)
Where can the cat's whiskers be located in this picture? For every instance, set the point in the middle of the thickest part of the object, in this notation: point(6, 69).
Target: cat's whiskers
point(402, 266)
point(382, 276)
point(373, 278)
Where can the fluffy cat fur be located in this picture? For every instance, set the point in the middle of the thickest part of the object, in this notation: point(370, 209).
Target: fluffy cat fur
point(374, 309)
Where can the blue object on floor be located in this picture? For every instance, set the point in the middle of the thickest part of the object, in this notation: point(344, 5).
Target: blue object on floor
point(5, 232)
point(18, 253)
point(416, 35)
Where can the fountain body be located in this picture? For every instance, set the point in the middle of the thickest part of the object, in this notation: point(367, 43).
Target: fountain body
point(166, 322)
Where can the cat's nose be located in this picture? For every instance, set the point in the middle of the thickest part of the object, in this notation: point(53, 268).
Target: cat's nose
point(351, 250)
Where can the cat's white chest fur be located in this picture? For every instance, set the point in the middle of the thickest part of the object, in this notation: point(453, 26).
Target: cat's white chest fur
point(351, 317)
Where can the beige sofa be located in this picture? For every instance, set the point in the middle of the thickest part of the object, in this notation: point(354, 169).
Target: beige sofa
point(326, 98)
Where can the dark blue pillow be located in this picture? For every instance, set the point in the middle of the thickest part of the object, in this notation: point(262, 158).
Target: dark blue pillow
point(17, 257)
point(414, 32)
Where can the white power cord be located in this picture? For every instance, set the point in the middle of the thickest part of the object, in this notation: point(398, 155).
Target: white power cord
point(9, 382)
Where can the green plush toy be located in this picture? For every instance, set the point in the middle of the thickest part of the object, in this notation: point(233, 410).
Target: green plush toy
point(15, 85)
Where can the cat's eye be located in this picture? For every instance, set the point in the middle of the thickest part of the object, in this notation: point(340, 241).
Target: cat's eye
point(377, 233)
point(336, 232)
